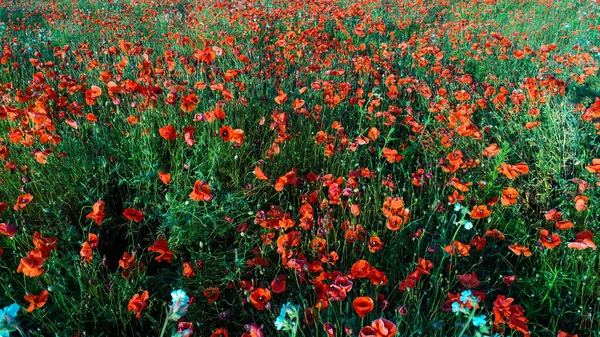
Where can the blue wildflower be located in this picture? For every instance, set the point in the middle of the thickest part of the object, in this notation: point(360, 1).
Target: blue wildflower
point(479, 320)
point(455, 307)
point(7, 319)
point(465, 296)
point(180, 304)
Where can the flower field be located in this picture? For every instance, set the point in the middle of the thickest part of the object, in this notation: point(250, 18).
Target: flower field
point(257, 168)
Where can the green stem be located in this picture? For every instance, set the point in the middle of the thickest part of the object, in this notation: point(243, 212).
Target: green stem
point(462, 332)
point(164, 328)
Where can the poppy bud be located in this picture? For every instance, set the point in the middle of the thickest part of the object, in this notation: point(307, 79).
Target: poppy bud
point(402, 310)
point(224, 315)
point(199, 264)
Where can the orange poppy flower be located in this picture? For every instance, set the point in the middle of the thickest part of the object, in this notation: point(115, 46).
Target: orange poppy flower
point(43, 244)
point(491, 151)
point(32, 264)
point(258, 172)
point(583, 241)
point(513, 171)
point(282, 97)
point(238, 137)
point(86, 251)
point(168, 132)
point(133, 214)
point(391, 156)
point(595, 167)
point(132, 119)
point(188, 270)
point(164, 177)
point(480, 212)
point(519, 249)
point(553, 215)
point(509, 196)
point(161, 246)
point(496, 234)
point(201, 191)
point(531, 125)
point(36, 301)
point(363, 305)
point(394, 223)
point(581, 203)
point(22, 201)
point(458, 247)
point(564, 224)
point(137, 303)
point(126, 261)
point(564, 334)
point(549, 241)
point(260, 297)
point(384, 328)
point(97, 214)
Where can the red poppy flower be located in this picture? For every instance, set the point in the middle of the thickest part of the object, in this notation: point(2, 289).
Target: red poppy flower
point(201, 191)
point(8, 229)
point(279, 284)
point(212, 294)
point(22, 201)
point(226, 133)
point(360, 269)
point(133, 214)
point(469, 280)
point(363, 305)
point(260, 297)
point(161, 246)
point(367, 332)
point(36, 301)
point(220, 333)
point(97, 214)
point(375, 244)
point(137, 303)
